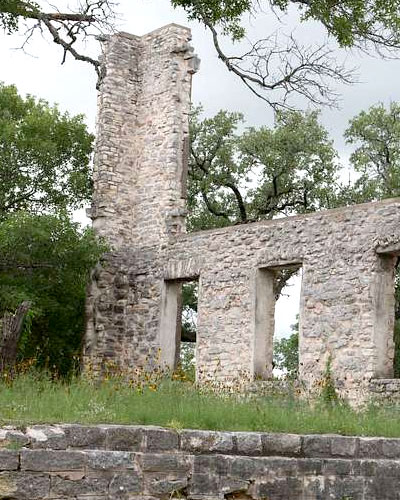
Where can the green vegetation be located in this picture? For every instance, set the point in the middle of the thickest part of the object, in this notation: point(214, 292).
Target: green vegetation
point(286, 354)
point(36, 399)
point(44, 156)
point(261, 173)
point(45, 258)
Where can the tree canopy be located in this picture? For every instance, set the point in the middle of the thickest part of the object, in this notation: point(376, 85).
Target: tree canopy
point(351, 22)
point(375, 133)
point(259, 173)
point(46, 260)
point(272, 68)
point(44, 156)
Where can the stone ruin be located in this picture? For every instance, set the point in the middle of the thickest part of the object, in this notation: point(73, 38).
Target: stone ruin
point(347, 255)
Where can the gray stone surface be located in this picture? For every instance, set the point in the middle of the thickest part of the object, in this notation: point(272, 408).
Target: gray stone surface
point(288, 467)
point(52, 460)
point(9, 460)
point(347, 255)
point(124, 439)
point(24, 486)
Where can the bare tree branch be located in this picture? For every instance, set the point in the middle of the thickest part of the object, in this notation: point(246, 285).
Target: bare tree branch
point(269, 68)
point(69, 29)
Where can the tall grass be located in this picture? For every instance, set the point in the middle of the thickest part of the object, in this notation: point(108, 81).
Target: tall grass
point(32, 398)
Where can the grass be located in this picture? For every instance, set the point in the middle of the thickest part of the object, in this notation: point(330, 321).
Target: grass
point(36, 399)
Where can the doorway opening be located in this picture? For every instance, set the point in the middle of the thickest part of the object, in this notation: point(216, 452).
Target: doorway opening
point(386, 316)
point(186, 361)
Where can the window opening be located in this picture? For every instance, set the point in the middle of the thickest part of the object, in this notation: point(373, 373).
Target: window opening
point(386, 308)
point(179, 326)
point(276, 308)
point(286, 331)
point(396, 336)
point(187, 352)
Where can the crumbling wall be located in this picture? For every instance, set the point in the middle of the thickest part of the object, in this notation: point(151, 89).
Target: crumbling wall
point(341, 286)
point(139, 187)
point(347, 255)
point(142, 137)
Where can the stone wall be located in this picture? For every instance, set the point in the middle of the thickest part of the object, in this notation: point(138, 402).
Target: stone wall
point(139, 178)
point(142, 137)
point(148, 463)
point(347, 255)
point(346, 309)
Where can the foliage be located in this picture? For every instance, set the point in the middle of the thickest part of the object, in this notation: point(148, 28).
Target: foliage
point(224, 12)
point(328, 390)
point(189, 311)
point(376, 134)
point(187, 361)
point(294, 164)
point(12, 10)
point(353, 22)
point(286, 354)
point(44, 156)
point(46, 259)
point(35, 398)
point(350, 22)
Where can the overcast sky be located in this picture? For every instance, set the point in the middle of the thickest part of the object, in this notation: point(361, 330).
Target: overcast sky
point(72, 85)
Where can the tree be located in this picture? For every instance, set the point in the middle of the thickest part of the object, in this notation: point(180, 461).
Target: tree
point(46, 260)
point(44, 156)
point(271, 68)
point(260, 173)
point(286, 353)
point(376, 135)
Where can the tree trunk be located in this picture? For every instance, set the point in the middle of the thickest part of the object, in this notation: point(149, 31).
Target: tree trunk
point(10, 332)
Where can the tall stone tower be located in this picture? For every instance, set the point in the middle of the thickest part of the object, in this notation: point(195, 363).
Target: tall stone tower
point(142, 137)
point(139, 183)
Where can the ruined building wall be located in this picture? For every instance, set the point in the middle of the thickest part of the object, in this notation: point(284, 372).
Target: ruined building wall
point(347, 295)
point(347, 255)
point(142, 132)
point(139, 198)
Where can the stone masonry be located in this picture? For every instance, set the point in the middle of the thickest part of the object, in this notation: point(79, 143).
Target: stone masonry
point(75, 462)
point(347, 255)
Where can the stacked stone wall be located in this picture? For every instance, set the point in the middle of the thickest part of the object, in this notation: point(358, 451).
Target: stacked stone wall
point(142, 137)
point(340, 252)
point(66, 462)
point(347, 255)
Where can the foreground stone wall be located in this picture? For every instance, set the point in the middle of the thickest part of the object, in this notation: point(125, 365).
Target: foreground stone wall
point(149, 463)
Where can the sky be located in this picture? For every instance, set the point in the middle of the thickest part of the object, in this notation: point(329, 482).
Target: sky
point(37, 70)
